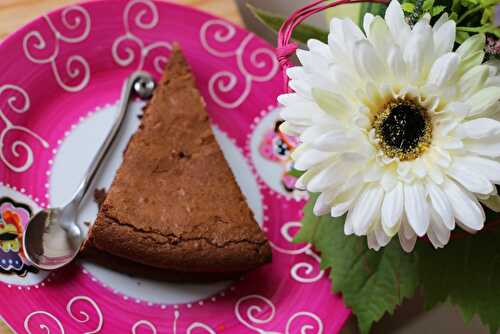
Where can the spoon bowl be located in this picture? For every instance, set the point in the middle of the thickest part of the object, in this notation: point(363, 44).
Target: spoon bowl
point(53, 237)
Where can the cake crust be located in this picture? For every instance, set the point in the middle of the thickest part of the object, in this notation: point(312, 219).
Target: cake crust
point(174, 202)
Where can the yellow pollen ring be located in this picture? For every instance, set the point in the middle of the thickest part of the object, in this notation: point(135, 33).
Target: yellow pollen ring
point(403, 129)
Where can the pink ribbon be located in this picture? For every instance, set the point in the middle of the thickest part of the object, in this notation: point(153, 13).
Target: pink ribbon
point(285, 48)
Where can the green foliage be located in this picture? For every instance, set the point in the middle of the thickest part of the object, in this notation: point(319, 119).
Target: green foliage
point(472, 16)
point(373, 8)
point(295, 172)
point(372, 283)
point(467, 273)
point(301, 33)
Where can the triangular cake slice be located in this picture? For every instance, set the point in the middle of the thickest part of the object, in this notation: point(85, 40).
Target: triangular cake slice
point(174, 202)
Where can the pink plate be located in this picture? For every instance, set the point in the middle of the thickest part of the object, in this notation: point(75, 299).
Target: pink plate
point(60, 80)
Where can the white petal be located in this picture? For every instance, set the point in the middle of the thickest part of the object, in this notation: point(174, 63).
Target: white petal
point(309, 158)
point(388, 181)
point(332, 103)
point(367, 20)
point(417, 211)
point(397, 64)
point(290, 99)
point(367, 61)
point(470, 180)
point(419, 50)
point(301, 87)
point(336, 141)
point(323, 202)
point(352, 33)
point(336, 30)
point(465, 207)
point(335, 174)
point(291, 129)
point(308, 175)
point(345, 82)
point(457, 111)
point(433, 238)
point(479, 128)
point(300, 113)
point(373, 172)
point(395, 19)
point(487, 168)
point(407, 241)
point(382, 238)
point(380, 37)
point(319, 48)
point(325, 179)
point(473, 80)
point(443, 69)
point(392, 207)
point(439, 157)
point(492, 203)
point(418, 168)
point(483, 100)
point(472, 44)
point(348, 228)
point(372, 241)
point(441, 231)
point(311, 61)
point(365, 209)
point(440, 205)
point(434, 171)
point(345, 200)
point(444, 37)
point(439, 23)
point(486, 146)
point(312, 133)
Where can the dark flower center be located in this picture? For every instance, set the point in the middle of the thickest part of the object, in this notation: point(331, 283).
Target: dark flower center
point(403, 129)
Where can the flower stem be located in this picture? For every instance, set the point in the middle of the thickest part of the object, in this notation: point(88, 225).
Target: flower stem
point(470, 12)
point(470, 29)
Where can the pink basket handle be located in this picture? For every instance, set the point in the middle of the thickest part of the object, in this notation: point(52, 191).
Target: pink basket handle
point(285, 48)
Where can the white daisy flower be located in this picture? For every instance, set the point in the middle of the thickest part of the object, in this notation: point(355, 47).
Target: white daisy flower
point(397, 131)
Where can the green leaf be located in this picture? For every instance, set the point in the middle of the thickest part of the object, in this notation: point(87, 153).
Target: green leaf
point(295, 172)
point(467, 273)
point(489, 28)
point(436, 10)
point(428, 4)
point(309, 222)
point(462, 36)
point(372, 283)
point(408, 7)
point(301, 33)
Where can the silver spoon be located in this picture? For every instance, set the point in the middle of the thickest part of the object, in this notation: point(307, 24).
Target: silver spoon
point(53, 237)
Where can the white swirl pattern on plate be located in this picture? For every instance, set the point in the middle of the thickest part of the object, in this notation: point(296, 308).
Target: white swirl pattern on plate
point(300, 271)
point(225, 82)
point(194, 326)
point(44, 328)
point(76, 67)
point(144, 323)
point(18, 102)
point(82, 317)
point(124, 55)
point(259, 305)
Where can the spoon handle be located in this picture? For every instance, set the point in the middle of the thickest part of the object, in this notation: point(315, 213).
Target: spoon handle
point(126, 95)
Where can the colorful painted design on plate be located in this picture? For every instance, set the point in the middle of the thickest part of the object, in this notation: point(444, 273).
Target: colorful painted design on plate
point(277, 147)
point(14, 218)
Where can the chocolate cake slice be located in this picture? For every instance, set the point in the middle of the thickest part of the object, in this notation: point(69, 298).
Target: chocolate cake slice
point(174, 203)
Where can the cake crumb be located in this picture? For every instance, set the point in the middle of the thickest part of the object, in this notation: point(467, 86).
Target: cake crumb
point(99, 196)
